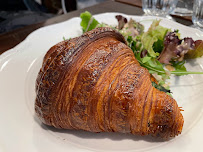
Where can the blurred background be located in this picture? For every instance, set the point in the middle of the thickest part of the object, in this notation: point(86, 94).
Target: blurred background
point(16, 14)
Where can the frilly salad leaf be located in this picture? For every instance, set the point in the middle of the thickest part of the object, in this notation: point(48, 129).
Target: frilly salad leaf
point(88, 22)
point(152, 40)
point(129, 28)
point(121, 21)
point(171, 48)
point(152, 64)
point(176, 49)
point(197, 52)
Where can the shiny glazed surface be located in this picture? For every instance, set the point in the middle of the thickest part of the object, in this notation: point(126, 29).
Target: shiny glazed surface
point(94, 83)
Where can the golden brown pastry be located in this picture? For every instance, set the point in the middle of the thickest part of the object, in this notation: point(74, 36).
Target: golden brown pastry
point(94, 83)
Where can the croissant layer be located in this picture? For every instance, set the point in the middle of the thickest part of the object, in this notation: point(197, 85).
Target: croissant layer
point(94, 83)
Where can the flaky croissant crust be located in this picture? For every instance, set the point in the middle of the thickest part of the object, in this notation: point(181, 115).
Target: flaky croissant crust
point(94, 83)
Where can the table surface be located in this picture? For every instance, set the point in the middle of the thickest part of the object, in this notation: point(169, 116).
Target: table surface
point(131, 7)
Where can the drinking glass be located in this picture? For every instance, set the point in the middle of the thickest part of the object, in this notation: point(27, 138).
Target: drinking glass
point(184, 8)
point(158, 7)
point(197, 17)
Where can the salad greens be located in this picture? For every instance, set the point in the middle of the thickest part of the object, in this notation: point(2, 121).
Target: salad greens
point(153, 38)
point(156, 49)
point(88, 22)
point(197, 51)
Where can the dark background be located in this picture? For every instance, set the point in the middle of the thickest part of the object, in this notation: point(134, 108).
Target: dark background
point(16, 14)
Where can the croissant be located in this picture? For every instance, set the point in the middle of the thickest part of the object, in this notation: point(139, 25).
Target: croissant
point(94, 83)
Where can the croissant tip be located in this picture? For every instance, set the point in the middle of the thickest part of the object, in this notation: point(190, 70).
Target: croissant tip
point(180, 108)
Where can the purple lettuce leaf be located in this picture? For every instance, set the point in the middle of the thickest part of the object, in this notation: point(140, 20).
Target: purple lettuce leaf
point(169, 52)
point(121, 21)
point(175, 49)
point(129, 28)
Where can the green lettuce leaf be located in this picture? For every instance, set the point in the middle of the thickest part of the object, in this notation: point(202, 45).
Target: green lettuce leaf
point(161, 88)
point(179, 67)
point(152, 40)
point(88, 22)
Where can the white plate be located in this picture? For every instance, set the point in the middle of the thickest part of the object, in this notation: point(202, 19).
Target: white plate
point(22, 131)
